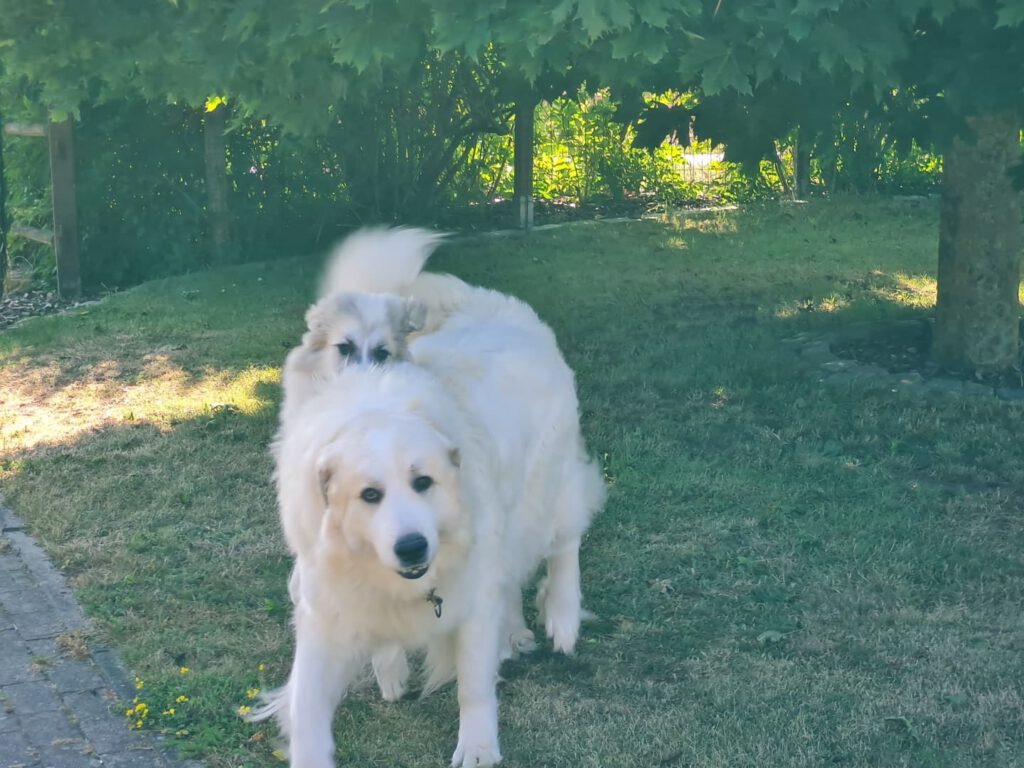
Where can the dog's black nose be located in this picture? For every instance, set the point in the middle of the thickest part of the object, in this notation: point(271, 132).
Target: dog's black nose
point(411, 549)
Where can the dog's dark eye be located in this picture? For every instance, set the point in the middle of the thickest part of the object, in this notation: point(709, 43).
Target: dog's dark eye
point(380, 354)
point(346, 348)
point(422, 483)
point(371, 495)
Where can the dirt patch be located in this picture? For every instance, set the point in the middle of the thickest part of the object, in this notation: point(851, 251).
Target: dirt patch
point(904, 347)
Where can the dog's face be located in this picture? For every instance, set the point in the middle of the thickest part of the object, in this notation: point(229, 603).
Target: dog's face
point(361, 329)
point(390, 488)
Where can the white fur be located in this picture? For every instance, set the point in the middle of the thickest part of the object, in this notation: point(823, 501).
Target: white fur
point(488, 409)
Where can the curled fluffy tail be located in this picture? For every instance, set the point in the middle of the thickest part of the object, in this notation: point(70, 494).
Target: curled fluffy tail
point(379, 260)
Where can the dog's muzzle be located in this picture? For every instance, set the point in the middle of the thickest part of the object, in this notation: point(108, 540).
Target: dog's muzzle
point(411, 551)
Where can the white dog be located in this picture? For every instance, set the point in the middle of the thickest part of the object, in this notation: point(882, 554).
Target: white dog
point(418, 497)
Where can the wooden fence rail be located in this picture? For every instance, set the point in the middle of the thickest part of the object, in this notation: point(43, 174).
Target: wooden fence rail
point(64, 237)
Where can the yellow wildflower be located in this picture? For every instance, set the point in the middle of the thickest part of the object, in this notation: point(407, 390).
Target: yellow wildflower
point(261, 667)
point(244, 710)
point(184, 670)
point(252, 693)
point(182, 699)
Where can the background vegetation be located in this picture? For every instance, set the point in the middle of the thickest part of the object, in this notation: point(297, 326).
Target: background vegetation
point(438, 152)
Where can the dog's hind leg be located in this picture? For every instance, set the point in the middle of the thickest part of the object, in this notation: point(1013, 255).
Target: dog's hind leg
point(391, 668)
point(559, 598)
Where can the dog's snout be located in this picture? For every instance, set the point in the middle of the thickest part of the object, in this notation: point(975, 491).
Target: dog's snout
point(411, 549)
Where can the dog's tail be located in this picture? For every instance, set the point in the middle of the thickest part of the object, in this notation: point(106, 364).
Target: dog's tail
point(272, 702)
point(379, 260)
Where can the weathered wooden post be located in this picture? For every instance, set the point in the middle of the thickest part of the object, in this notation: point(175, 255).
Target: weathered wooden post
point(217, 181)
point(65, 210)
point(522, 162)
point(3, 214)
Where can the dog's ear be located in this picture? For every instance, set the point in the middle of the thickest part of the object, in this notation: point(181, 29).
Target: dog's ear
point(414, 316)
point(317, 321)
point(323, 474)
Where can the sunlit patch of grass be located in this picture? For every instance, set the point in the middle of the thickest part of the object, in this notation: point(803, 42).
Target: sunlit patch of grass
point(917, 291)
point(41, 409)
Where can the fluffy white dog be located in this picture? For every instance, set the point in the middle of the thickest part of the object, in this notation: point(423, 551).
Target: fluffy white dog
point(419, 496)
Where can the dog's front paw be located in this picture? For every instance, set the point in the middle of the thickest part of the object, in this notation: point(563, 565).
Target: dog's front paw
point(475, 755)
point(478, 740)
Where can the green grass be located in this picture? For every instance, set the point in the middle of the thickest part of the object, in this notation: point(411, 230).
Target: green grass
point(785, 574)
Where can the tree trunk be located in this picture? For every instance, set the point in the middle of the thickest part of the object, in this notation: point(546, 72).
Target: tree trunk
point(977, 316)
point(217, 183)
point(802, 165)
point(522, 162)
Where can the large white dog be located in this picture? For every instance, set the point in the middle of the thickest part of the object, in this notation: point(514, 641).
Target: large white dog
point(419, 496)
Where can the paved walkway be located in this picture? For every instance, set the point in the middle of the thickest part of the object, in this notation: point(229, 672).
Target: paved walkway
point(58, 710)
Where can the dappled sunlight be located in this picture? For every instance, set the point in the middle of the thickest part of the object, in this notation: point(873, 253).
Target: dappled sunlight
point(827, 304)
point(909, 290)
point(37, 408)
point(719, 222)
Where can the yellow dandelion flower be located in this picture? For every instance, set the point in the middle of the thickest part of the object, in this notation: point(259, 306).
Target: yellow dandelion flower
point(169, 711)
point(244, 710)
point(184, 670)
point(261, 667)
point(139, 684)
point(181, 699)
point(138, 723)
point(129, 712)
point(252, 693)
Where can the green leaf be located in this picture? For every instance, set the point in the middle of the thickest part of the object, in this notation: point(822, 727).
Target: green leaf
point(1010, 14)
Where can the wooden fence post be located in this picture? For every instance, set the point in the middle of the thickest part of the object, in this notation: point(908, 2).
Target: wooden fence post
point(215, 152)
point(65, 212)
point(522, 163)
point(3, 215)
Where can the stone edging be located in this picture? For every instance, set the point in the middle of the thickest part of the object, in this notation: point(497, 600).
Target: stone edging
point(815, 351)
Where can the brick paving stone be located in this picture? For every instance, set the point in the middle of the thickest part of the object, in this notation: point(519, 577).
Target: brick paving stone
point(15, 751)
point(72, 676)
point(29, 698)
point(43, 729)
point(8, 720)
point(16, 660)
point(69, 756)
point(102, 722)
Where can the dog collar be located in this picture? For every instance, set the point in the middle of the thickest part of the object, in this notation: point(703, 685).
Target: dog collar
point(435, 600)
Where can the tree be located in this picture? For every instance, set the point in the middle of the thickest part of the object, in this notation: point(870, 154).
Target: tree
point(960, 61)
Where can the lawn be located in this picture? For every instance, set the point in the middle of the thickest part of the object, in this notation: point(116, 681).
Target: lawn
point(786, 574)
